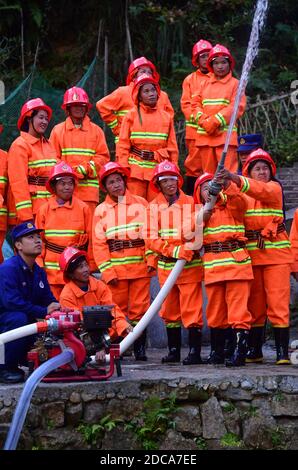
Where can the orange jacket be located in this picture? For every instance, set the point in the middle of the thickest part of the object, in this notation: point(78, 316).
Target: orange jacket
point(215, 99)
point(67, 225)
point(29, 156)
point(3, 190)
point(190, 86)
point(85, 150)
point(227, 224)
point(113, 107)
point(155, 133)
point(123, 221)
point(294, 241)
point(264, 213)
point(166, 235)
point(98, 294)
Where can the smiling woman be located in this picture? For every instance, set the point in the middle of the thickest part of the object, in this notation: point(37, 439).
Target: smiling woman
point(33, 156)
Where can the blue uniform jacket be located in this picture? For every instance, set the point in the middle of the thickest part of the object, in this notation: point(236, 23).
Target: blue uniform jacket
point(23, 290)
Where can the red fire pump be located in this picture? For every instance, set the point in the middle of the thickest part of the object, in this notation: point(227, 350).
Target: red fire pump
point(85, 337)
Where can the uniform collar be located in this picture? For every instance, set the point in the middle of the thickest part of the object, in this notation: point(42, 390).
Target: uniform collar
point(24, 266)
point(54, 204)
point(148, 109)
point(70, 125)
point(92, 285)
point(127, 200)
point(213, 79)
point(160, 199)
point(31, 139)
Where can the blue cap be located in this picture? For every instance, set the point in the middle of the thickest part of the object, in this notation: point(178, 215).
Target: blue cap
point(24, 229)
point(249, 142)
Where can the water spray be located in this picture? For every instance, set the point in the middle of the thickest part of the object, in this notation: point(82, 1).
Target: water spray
point(252, 51)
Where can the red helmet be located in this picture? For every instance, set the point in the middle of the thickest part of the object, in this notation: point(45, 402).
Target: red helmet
point(141, 80)
point(165, 168)
point(69, 255)
point(138, 63)
point(197, 189)
point(29, 107)
point(220, 51)
point(200, 47)
point(75, 95)
point(258, 154)
point(58, 171)
point(112, 167)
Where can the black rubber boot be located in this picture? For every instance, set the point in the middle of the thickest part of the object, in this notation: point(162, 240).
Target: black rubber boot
point(174, 345)
point(238, 358)
point(217, 354)
point(230, 342)
point(195, 342)
point(139, 347)
point(255, 342)
point(281, 336)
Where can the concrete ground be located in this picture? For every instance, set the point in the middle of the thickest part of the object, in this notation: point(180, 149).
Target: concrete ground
point(154, 370)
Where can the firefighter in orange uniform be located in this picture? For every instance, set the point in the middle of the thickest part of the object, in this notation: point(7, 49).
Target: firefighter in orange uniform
point(294, 244)
point(270, 250)
point(166, 237)
point(227, 269)
point(82, 290)
point(119, 247)
point(212, 108)
point(113, 107)
point(147, 136)
point(190, 86)
point(30, 159)
point(66, 221)
point(82, 144)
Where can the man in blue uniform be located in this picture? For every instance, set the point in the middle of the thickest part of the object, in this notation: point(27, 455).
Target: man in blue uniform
point(25, 296)
point(246, 144)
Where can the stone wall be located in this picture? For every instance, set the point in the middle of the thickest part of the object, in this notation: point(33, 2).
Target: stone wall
point(231, 412)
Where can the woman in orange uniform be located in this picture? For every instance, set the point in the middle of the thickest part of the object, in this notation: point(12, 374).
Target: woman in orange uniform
point(294, 244)
point(212, 108)
point(66, 221)
point(82, 144)
point(270, 250)
point(83, 290)
point(147, 136)
point(227, 269)
point(30, 159)
point(119, 247)
point(113, 107)
point(190, 86)
point(166, 237)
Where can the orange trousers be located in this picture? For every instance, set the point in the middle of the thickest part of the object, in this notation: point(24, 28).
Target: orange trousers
point(141, 188)
point(270, 295)
point(227, 304)
point(210, 157)
point(193, 161)
point(184, 305)
point(132, 296)
point(2, 238)
point(56, 290)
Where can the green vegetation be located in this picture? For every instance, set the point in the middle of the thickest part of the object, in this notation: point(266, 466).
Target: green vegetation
point(228, 408)
point(154, 421)
point(93, 432)
point(231, 440)
point(201, 443)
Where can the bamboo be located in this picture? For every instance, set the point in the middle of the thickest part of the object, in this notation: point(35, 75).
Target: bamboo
point(128, 37)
